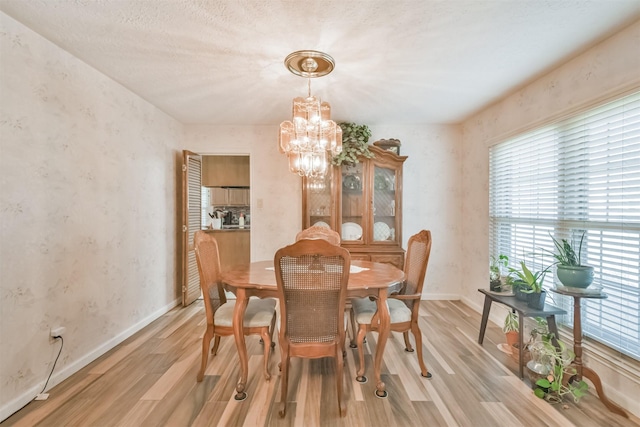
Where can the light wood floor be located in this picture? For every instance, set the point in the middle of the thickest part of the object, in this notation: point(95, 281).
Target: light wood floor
point(150, 380)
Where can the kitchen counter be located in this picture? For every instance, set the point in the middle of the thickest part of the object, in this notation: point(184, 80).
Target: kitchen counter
point(234, 245)
point(229, 228)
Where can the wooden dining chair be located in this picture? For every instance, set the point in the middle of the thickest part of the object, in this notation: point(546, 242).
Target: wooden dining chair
point(259, 317)
point(403, 307)
point(317, 232)
point(312, 277)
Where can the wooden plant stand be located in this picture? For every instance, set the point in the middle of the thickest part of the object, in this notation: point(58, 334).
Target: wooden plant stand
point(581, 370)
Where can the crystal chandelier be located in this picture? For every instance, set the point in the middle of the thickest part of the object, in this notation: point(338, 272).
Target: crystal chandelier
point(312, 138)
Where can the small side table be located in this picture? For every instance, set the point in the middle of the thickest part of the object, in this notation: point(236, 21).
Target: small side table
point(523, 311)
point(582, 370)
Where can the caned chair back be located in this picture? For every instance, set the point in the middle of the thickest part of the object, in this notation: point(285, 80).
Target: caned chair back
point(208, 260)
point(312, 278)
point(417, 259)
point(317, 232)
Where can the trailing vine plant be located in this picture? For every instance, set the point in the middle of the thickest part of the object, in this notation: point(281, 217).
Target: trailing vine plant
point(354, 144)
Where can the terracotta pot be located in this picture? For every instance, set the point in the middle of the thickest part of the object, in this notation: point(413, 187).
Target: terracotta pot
point(515, 353)
point(512, 338)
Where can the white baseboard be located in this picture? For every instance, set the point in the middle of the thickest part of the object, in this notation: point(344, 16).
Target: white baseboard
point(16, 404)
point(436, 297)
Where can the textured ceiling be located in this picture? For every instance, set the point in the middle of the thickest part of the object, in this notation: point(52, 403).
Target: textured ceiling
point(397, 62)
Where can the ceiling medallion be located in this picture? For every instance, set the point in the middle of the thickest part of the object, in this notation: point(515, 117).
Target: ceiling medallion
point(309, 63)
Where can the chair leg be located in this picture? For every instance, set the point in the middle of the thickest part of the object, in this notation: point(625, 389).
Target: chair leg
point(206, 341)
point(407, 342)
point(216, 344)
point(362, 332)
point(353, 329)
point(339, 379)
point(264, 333)
point(284, 378)
point(273, 328)
point(418, 337)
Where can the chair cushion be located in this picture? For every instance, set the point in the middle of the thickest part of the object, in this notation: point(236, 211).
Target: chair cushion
point(364, 309)
point(259, 313)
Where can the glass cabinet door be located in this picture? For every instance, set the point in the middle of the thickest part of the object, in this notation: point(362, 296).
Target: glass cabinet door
point(319, 207)
point(384, 204)
point(353, 203)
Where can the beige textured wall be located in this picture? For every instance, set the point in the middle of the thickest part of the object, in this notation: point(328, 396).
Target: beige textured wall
point(603, 71)
point(431, 190)
point(87, 212)
point(431, 199)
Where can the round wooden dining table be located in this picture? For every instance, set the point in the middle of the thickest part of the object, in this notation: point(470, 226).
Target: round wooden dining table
point(367, 279)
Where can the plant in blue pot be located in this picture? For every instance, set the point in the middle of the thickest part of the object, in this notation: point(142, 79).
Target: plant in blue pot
point(570, 270)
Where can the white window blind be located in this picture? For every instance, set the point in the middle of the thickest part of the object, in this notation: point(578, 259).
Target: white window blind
point(578, 175)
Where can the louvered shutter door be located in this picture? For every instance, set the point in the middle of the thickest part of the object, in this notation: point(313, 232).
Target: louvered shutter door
point(192, 222)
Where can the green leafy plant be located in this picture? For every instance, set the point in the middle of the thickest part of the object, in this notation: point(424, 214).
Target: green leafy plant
point(554, 359)
point(528, 281)
point(511, 323)
point(557, 382)
point(496, 264)
point(566, 253)
point(540, 331)
point(354, 143)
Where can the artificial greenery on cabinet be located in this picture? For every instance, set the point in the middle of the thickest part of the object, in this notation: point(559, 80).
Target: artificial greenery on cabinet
point(354, 144)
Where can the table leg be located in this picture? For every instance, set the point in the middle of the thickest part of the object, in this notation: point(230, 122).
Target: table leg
point(485, 318)
point(238, 334)
point(583, 371)
point(577, 336)
point(595, 379)
point(383, 333)
point(520, 344)
point(553, 328)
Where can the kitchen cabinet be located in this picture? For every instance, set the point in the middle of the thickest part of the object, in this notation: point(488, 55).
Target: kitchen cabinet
point(230, 196)
point(225, 171)
point(237, 196)
point(362, 202)
point(218, 196)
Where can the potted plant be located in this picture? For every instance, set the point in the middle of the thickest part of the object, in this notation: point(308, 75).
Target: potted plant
point(530, 283)
point(354, 144)
point(495, 271)
point(550, 371)
point(511, 328)
point(570, 270)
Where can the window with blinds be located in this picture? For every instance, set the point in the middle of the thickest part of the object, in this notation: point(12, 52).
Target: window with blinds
point(580, 175)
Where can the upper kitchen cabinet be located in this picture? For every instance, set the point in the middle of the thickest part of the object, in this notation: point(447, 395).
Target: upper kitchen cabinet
point(224, 171)
point(362, 202)
point(225, 196)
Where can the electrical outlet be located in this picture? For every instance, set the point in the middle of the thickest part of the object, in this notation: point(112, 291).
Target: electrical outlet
point(58, 332)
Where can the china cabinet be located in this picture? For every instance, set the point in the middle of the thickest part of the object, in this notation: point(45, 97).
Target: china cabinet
point(362, 202)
